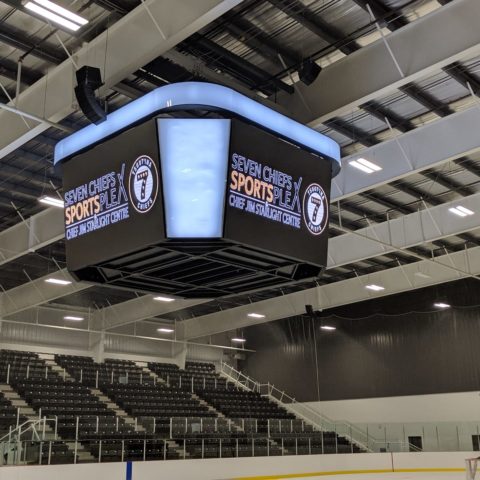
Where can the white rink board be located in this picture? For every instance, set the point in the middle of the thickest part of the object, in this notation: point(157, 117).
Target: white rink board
point(358, 466)
point(393, 476)
point(88, 471)
point(214, 469)
point(432, 460)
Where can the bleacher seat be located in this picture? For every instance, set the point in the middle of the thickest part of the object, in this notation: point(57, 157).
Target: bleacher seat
point(169, 409)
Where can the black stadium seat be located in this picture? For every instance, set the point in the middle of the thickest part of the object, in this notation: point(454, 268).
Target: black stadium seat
point(171, 412)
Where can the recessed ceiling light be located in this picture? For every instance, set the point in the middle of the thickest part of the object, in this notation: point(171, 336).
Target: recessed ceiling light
point(375, 288)
point(62, 11)
point(73, 318)
point(53, 202)
point(56, 13)
point(465, 210)
point(165, 330)
point(164, 299)
point(238, 340)
point(461, 211)
point(256, 315)
point(365, 165)
point(327, 327)
point(441, 305)
point(58, 281)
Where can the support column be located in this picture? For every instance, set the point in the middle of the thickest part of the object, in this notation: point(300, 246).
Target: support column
point(97, 346)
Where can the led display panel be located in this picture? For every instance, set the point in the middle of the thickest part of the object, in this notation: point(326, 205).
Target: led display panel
point(193, 155)
point(113, 203)
point(198, 208)
point(277, 195)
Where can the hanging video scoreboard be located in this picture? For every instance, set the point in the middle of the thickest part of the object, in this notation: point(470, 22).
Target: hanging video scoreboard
point(274, 195)
point(277, 195)
point(112, 200)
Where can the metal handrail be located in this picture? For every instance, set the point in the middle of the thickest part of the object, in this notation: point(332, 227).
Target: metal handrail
point(301, 445)
point(319, 420)
point(257, 446)
point(30, 426)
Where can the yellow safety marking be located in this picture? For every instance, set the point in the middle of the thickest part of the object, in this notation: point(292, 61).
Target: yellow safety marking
point(348, 472)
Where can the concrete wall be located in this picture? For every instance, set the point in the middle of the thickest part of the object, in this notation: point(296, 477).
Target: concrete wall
point(371, 465)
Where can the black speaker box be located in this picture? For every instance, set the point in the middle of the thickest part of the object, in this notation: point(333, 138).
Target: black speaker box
point(88, 80)
point(309, 71)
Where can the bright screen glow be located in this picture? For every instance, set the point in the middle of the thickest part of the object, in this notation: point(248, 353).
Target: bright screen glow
point(193, 159)
point(191, 95)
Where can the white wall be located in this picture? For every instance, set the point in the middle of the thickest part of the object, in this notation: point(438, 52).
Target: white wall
point(34, 338)
point(214, 469)
point(85, 353)
point(449, 407)
point(445, 422)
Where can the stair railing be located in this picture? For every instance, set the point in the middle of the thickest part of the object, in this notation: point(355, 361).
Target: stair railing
point(36, 427)
point(305, 412)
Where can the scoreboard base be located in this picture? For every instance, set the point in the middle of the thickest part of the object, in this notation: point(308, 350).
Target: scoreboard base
point(199, 269)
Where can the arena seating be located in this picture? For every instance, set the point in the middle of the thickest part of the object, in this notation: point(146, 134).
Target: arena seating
point(123, 411)
point(16, 364)
point(154, 405)
point(28, 368)
point(232, 447)
point(88, 372)
point(193, 378)
point(242, 404)
point(8, 415)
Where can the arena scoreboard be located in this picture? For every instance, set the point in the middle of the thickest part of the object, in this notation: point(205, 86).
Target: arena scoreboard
point(196, 207)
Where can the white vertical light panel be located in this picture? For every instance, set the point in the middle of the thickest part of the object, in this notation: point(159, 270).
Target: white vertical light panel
point(194, 164)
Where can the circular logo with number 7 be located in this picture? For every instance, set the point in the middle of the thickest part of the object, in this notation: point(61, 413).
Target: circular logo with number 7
point(315, 209)
point(143, 184)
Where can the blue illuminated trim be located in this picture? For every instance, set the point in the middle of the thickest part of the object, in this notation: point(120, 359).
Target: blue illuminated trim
point(190, 96)
point(193, 154)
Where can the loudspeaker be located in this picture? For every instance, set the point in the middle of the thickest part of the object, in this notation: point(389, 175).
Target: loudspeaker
point(89, 79)
point(309, 71)
point(309, 311)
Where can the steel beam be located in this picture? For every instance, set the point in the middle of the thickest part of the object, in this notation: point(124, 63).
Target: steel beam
point(256, 39)
point(386, 17)
point(380, 239)
point(52, 314)
point(463, 77)
point(116, 6)
point(17, 39)
point(382, 113)
point(423, 226)
point(448, 183)
point(395, 280)
point(427, 100)
point(310, 20)
point(350, 131)
point(8, 69)
point(37, 292)
point(128, 44)
point(353, 81)
point(446, 139)
point(244, 67)
point(34, 233)
point(141, 308)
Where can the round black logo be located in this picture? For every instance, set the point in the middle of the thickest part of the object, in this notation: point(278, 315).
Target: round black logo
point(315, 209)
point(143, 184)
